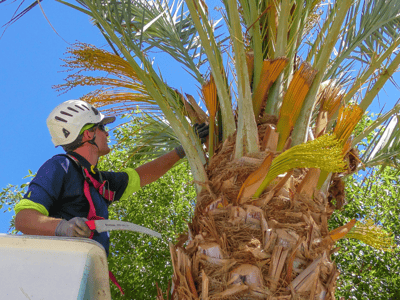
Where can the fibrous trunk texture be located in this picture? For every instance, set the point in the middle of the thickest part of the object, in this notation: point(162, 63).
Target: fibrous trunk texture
point(273, 247)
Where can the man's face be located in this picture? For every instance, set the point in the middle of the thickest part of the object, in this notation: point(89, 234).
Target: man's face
point(101, 140)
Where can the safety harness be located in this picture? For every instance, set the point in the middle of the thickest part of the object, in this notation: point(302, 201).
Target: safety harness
point(103, 188)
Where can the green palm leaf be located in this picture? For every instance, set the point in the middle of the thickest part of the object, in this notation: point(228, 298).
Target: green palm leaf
point(154, 138)
point(384, 148)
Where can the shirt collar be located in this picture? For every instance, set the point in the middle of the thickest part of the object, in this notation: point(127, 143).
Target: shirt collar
point(83, 161)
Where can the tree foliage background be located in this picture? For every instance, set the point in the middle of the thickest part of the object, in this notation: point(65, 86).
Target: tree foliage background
point(139, 261)
point(367, 273)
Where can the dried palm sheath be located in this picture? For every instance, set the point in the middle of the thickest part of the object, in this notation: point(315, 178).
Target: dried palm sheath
point(293, 101)
point(270, 247)
point(269, 73)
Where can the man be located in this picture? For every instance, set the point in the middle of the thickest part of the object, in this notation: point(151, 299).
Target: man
point(68, 189)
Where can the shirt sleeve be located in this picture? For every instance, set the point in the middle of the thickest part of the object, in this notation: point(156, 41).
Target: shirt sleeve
point(133, 183)
point(124, 183)
point(46, 187)
point(28, 204)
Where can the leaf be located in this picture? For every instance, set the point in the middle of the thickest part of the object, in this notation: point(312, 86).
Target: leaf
point(373, 235)
point(324, 153)
point(270, 71)
point(293, 102)
point(348, 118)
point(256, 176)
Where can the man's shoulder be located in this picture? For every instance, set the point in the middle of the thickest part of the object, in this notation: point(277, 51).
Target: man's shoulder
point(58, 163)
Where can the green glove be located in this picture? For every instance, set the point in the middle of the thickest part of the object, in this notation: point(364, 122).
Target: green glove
point(76, 227)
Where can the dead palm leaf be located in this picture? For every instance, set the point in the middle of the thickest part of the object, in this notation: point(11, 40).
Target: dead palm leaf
point(209, 91)
point(348, 118)
point(271, 69)
point(293, 101)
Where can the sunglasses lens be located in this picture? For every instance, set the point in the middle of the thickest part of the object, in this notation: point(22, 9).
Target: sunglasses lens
point(102, 127)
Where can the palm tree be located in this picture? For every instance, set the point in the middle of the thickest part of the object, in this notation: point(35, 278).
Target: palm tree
point(281, 112)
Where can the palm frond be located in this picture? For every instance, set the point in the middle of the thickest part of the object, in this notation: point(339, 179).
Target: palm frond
point(320, 63)
point(270, 71)
point(324, 153)
point(153, 138)
point(380, 120)
point(18, 15)
point(209, 91)
point(373, 235)
point(384, 149)
point(369, 28)
point(167, 99)
point(214, 55)
point(84, 58)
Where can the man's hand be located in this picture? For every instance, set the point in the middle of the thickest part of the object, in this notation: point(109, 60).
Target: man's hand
point(201, 131)
point(76, 227)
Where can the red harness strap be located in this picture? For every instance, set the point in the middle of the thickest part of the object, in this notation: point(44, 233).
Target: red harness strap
point(103, 191)
point(86, 190)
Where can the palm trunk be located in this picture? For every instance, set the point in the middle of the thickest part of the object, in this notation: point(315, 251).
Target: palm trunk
point(272, 247)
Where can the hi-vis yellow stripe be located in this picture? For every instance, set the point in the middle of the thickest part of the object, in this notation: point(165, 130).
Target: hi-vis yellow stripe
point(28, 204)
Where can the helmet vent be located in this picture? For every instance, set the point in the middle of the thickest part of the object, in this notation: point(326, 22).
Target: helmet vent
point(96, 112)
point(70, 108)
point(66, 132)
point(85, 106)
point(65, 113)
point(60, 119)
point(79, 107)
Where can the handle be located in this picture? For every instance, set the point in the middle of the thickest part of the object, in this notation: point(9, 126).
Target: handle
point(91, 224)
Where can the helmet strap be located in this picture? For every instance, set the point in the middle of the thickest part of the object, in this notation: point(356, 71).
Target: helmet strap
point(92, 141)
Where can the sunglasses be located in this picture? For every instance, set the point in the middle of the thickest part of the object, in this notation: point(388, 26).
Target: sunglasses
point(102, 127)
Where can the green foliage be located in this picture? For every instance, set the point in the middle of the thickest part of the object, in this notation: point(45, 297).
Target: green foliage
point(11, 195)
point(367, 273)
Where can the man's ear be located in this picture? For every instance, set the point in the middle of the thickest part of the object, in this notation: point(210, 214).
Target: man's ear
point(87, 135)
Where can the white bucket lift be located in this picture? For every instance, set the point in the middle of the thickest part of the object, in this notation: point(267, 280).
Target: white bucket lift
point(49, 268)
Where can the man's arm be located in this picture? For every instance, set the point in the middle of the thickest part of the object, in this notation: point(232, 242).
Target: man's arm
point(153, 170)
point(30, 221)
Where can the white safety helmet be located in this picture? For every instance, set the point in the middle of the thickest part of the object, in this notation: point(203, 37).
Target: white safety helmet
point(67, 119)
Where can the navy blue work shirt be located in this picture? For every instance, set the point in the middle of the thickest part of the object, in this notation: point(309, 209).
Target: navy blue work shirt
point(57, 191)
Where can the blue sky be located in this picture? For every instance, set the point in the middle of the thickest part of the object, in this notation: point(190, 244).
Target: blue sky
point(30, 53)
